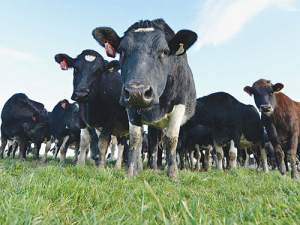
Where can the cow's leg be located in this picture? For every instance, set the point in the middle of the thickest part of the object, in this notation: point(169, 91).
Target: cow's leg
point(85, 139)
point(114, 145)
point(279, 154)
point(286, 162)
point(247, 159)
point(103, 143)
point(135, 144)
point(153, 139)
point(77, 144)
point(291, 155)
point(3, 145)
point(63, 149)
point(207, 161)
point(191, 158)
point(220, 155)
point(22, 154)
point(120, 157)
point(38, 147)
point(198, 157)
point(264, 159)
point(232, 155)
point(171, 139)
point(47, 148)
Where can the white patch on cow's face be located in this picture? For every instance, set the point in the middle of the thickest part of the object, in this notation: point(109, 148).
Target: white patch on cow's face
point(90, 58)
point(149, 29)
point(176, 119)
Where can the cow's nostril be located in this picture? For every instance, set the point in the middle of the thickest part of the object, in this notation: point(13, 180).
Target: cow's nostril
point(126, 94)
point(148, 93)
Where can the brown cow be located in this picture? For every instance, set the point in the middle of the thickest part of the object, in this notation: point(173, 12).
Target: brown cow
point(281, 118)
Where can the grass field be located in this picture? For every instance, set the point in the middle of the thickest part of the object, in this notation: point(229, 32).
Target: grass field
point(32, 193)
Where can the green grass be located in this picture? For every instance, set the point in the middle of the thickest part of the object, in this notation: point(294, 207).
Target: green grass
point(31, 193)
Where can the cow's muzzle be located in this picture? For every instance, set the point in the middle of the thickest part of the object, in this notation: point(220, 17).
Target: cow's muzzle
point(138, 95)
point(266, 109)
point(81, 95)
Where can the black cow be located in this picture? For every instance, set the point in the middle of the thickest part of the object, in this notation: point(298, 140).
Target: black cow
point(195, 140)
point(25, 121)
point(158, 86)
point(280, 115)
point(63, 124)
point(230, 122)
point(98, 90)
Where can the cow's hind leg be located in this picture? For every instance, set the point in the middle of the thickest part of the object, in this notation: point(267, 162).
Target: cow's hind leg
point(2, 147)
point(220, 155)
point(232, 155)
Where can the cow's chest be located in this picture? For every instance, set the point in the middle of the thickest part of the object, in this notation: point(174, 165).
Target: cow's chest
point(160, 123)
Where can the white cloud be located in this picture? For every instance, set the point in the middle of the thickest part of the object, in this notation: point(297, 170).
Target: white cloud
point(221, 20)
point(6, 54)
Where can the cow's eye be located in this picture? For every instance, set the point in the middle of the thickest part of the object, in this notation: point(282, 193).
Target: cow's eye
point(164, 53)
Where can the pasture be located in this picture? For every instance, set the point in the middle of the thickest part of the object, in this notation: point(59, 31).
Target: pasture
point(52, 193)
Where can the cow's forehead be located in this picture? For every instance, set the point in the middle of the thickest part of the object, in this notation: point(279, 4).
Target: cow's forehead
point(262, 83)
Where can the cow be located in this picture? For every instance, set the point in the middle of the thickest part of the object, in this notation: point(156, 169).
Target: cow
point(64, 123)
point(231, 123)
point(195, 140)
point(157, 84)
point(25, 121)
point(97, 89)
point(280, 115)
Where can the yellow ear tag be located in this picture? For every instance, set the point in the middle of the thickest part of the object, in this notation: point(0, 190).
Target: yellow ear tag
point(180, 50)
point(111, 69)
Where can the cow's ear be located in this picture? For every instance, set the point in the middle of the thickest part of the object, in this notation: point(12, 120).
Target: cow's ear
point(65, 61)
point(181, 42)
point(64, 103)
point(248, 89)
point(108, 38)
point(277, 87)
point(112, 66)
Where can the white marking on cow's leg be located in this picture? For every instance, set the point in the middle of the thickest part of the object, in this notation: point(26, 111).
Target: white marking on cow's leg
point(191, 159)
point(47, 148)
point(171, 137)
point(85, 139)
point(232, 155)
point(198, 155)
point(63, 150)
point(247, 159)
point(113, 148)
point(120, 156)
point(134, 148)
point(220, 155)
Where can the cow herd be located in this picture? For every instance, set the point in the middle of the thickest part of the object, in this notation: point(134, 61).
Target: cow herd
point(155, 88)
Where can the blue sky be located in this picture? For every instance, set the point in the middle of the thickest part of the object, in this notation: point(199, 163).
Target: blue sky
point(239, 42)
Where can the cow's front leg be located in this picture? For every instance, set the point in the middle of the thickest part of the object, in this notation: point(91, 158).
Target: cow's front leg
point(103, 143)
point(171, 139)
point(264, 159)
point(291, 155)
point(38, 147)
point(135, 143)
point(3, 145)
point(22, 154)
point(85, 139)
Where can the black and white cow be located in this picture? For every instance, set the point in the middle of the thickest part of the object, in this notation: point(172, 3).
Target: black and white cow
point(63, 121)
point(25, 121)
point(97, 90)
point(230, 122)
point(157, 84)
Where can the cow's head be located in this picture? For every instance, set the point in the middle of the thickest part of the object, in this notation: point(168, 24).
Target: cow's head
point(67, 114)
point(145, 51)
point(88, 67)
point(36, 126)
point(264, 95)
